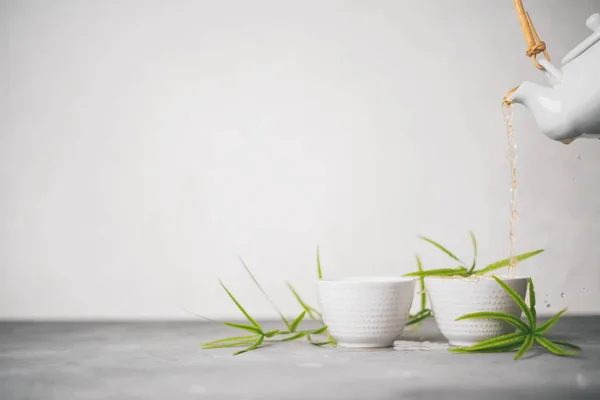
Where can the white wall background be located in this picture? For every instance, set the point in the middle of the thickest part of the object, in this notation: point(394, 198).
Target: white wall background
point(144, 145)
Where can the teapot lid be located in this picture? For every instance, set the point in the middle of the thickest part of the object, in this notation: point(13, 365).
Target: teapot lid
point(593, 23)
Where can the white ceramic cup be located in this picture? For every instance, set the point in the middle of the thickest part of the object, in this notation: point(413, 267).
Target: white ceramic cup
point(366, 312)
point(454, 297)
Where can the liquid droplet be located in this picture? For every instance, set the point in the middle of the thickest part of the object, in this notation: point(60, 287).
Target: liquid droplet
point(562, 295)
point(547, 305)
point(584, 289)
point(579, 156)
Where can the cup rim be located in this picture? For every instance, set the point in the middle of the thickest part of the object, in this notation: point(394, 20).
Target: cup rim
point(477, 278)
point(368, 280)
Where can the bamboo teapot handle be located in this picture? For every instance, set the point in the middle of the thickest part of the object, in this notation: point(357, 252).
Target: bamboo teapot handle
point(534, 45)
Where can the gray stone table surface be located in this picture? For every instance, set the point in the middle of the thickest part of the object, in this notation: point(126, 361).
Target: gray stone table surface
point(162, 360)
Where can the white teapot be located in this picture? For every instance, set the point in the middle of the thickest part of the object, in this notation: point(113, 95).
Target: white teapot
point(570, 107)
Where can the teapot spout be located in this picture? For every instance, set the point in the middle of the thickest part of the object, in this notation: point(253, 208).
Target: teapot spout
point(526, 94)
point(546, 106)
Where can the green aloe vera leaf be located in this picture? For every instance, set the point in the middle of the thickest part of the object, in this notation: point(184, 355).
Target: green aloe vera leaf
point(460, 271)
point(319, 270)
point(525, 347)
point(511, 319)
point(551, 347)
point(548, 324)
point(285, 321)
point(442, 248)
point(504, 340)
point(319, 330)
point(250, 328)
point(419, 318)
point(474, 241)
point(296, 323)
point(518, 299)
point(229, 339)
point(566, 344)
point(248, 317)
point(506, 262)
point(532, 301)
point(254, 346)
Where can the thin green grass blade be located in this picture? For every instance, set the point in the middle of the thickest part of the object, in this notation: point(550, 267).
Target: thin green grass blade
point(320, 316)
point(297, 336)
point(270, 334)
point(422, 285)
point(442, 248)
point(319, 270)
point(474, 241)
point(229, 339)
point(566, 344)
point(532, 301)
point(254, 346)
point(511, 319)
point(460, 271)
point(250, 328)
point(497, 349)
point(525, 347)
point(296, 323)
point(229, 345)
point(551, 347)
point(304, 306)
point(424, 315)
point(548, 324)
point(420, 313)
point(285, 321)
point(248, 317)
point(499, 341)
point(331, 339)
point(520, 302)
point(311, 341)
point(319, 330)
point(506, 262)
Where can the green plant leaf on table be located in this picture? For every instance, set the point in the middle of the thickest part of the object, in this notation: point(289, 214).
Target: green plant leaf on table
point(285, 321)
point(309, 310)
point(442, 248)
point(228, 340)
point(248, 317)
point(474, 241)
point(424, 312)
point(255, 341)
point(319, 270)
point(294, 325)
point(256, 345)
point(527, 334)
point(505, 262)
point(250, 328)
point(460, 271)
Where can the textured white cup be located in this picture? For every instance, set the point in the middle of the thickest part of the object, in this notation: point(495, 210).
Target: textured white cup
point(366, 311)
point(454, 297)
